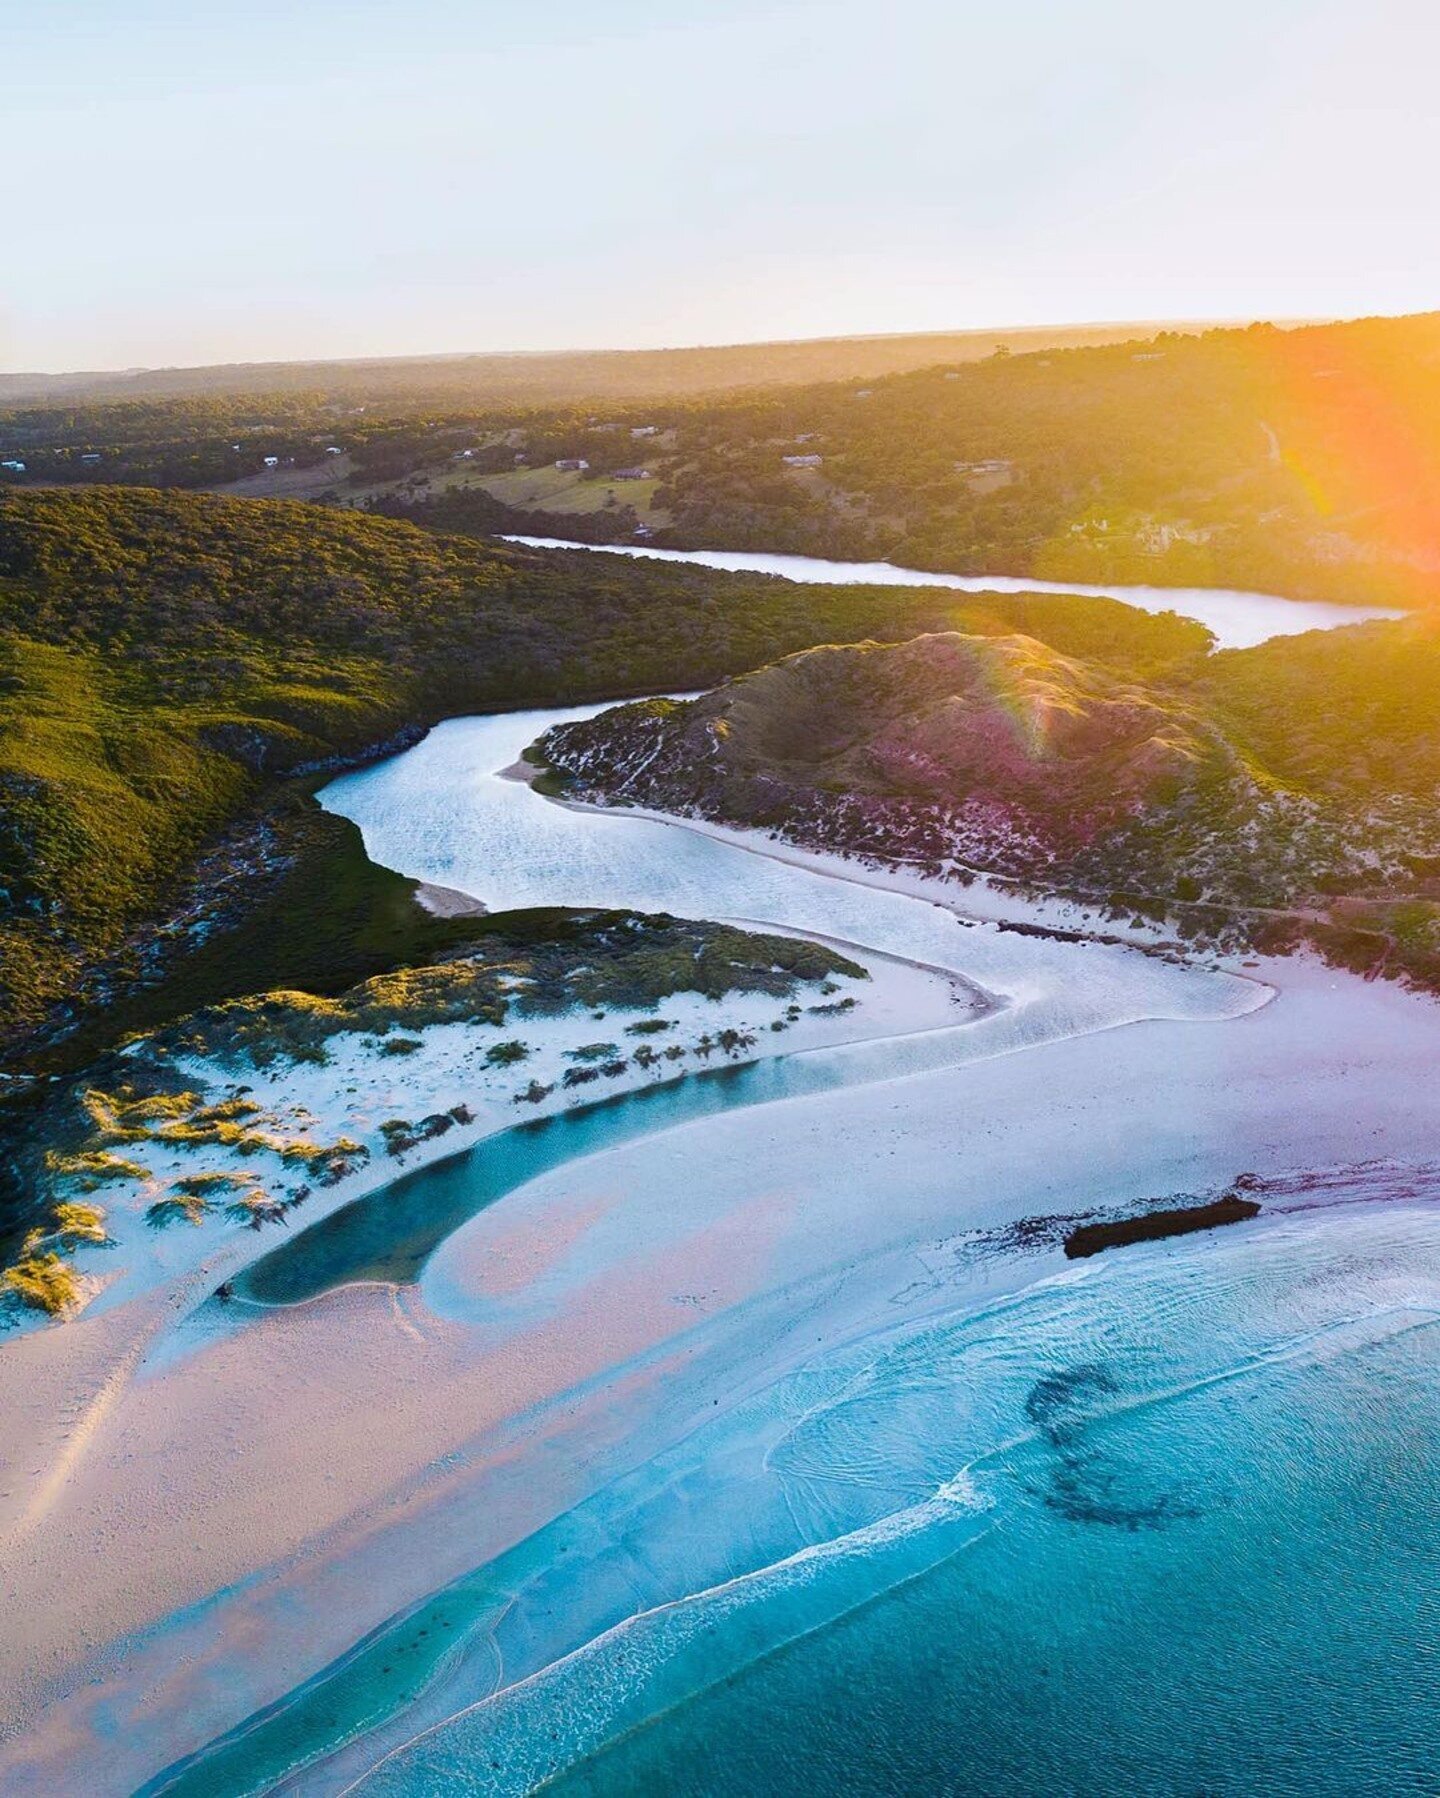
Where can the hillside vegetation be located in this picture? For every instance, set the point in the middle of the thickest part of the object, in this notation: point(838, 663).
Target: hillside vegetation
point(171, 663)
point(1254, 797)
point(1301, 461)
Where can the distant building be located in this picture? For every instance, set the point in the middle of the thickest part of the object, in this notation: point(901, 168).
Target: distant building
point(462, 455)
point(1157, 538)
point(91, 456)
point(644, 530)
point(644, 430)
point(802, 461)
point(272, 461)
point(631, 474)
point(864, 393)
point(333, 449)
point(13, 467)
point(986, 477)
point(572, 464)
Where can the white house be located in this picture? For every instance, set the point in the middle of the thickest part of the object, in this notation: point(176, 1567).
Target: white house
point(802, 461)
point(644, 430)
point(272, 461)
point(572, 464)
point(13, 467)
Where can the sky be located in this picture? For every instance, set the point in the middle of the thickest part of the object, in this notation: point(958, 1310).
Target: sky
point(184, 182)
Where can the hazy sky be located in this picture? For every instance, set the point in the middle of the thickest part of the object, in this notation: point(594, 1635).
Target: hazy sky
point(188, 182)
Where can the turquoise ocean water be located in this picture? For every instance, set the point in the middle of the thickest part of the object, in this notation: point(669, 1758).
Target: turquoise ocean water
point(1160, 1523)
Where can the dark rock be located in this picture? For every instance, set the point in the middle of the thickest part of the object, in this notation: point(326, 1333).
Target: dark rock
point(1091, 1239)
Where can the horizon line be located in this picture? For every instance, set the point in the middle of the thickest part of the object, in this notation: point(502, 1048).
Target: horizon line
point(673, 349)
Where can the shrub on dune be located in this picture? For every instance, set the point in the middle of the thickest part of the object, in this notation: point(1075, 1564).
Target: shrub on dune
point(80, 1223)
point(178, 1208)
point(43, 1282)
point(255, 1209)
point(211, 1185)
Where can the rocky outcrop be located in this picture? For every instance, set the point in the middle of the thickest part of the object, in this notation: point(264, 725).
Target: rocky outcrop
point(1154, 1226)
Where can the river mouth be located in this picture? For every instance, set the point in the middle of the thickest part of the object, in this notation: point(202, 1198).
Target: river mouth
point(766, 1467)
point(423, 811)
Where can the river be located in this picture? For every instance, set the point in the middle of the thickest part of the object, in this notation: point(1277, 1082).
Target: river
point(1238, 619)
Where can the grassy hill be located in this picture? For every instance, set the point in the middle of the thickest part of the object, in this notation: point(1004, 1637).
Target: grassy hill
point(1006, 723)
point(1254, 797)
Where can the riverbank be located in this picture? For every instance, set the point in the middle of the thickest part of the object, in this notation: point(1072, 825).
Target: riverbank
point(1239, 620)
point(70, 1389)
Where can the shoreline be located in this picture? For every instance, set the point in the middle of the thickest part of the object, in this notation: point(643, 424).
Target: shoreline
point(598, 1306)
point(996, 907)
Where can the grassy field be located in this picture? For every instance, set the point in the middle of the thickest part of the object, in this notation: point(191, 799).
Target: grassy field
point(561, 490)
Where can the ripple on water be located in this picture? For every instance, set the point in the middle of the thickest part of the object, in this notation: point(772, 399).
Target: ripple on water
point(1162, 1523)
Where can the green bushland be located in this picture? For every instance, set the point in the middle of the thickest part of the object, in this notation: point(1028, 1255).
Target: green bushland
point(1302, 461)
point(1252, 799)
point(170, 663)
